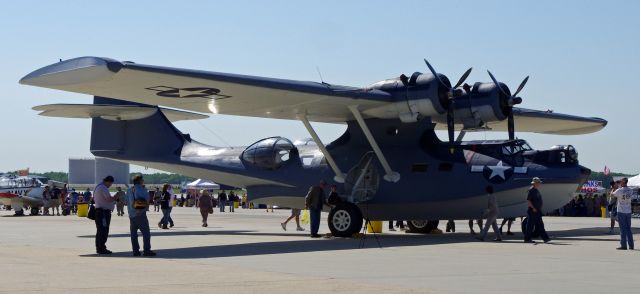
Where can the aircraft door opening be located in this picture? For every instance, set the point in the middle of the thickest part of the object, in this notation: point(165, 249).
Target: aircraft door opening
point(363, 180)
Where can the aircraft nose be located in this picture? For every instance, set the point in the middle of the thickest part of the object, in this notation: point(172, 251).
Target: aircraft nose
point(72, 72)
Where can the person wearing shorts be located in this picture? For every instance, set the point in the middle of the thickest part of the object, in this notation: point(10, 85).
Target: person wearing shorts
point(295, 213)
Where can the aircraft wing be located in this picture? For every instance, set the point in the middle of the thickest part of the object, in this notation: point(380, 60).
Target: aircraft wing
point(545, 122)
point(203, 91)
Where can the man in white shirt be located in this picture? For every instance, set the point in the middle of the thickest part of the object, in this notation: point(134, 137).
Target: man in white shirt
point(105, 204)
point(623, 197)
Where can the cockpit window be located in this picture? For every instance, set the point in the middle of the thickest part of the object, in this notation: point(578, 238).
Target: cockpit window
point(269, 153)
point(515, 147)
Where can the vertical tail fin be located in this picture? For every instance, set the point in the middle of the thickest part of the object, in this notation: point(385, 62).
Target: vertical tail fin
point(153, 137)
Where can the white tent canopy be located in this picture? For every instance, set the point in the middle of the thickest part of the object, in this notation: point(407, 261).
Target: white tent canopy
point(203, 184)
point(634, 181)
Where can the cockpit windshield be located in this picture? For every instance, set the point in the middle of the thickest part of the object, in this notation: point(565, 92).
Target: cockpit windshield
point(269, 153)
point(515, 147)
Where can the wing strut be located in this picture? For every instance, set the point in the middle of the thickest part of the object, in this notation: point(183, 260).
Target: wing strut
point(390, 176)
point(339, 175)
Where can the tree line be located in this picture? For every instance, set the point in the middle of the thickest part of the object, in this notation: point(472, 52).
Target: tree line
point(155, 178)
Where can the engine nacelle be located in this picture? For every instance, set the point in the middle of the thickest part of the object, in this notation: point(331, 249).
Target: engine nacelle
point(484, 103)
point(420, 95)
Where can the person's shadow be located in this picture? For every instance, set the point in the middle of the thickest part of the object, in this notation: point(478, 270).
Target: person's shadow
point(303, 243)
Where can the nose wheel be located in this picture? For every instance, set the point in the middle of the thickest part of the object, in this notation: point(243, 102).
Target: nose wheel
point(345, 219)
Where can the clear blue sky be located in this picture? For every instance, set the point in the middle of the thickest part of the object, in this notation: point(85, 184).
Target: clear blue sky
point(583, 58)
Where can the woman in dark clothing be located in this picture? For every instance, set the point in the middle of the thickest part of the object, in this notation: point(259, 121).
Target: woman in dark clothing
point(206, 206)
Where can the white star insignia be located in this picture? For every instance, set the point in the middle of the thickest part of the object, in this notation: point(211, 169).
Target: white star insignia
point(498, 170)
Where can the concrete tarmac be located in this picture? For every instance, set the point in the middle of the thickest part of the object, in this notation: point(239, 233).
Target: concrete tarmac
point(248, 252)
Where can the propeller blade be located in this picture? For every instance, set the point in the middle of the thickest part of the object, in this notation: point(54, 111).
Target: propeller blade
point(496, 83)
point(524, 82)
point(433, 71)
point(511, 126)
point(463, 77)
point(450, 125)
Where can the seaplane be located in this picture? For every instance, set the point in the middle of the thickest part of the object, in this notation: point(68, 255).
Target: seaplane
point(389, 164)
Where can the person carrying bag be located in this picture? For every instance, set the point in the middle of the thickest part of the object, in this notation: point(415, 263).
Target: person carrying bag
point(137, 204)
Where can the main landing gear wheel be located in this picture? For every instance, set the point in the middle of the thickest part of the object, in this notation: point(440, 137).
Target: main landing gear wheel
point(35, 211)
point(422, 226)
point(345, 219)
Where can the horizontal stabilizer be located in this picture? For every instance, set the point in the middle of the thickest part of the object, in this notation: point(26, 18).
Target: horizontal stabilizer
point(113, 112)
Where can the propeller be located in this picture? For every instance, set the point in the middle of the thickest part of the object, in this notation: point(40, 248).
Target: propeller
point(452, 94)
point(511, 101)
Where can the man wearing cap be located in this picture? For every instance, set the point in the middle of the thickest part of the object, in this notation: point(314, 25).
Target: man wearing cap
point(534, 213)
point(314, 202)
point(104, 206)
point(623, 195)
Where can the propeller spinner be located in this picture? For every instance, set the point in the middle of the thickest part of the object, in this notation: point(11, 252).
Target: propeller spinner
point(453, 93)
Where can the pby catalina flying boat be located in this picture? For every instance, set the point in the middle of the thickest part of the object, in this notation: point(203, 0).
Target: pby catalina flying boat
point(389, 164)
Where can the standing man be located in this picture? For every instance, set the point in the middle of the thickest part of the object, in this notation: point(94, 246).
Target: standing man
point(232, 201)
point(120, 201)
point(222, 200)
point(534, 213)
point(137, 204)
point(623, 197)
point(56, 194)
point(46, 199)
point(314, 202)
point(104, 206)
point(86, 197)
point(492, 214)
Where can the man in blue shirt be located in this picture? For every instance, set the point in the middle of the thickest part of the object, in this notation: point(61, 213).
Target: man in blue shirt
point(138, 217)
point(86, 197)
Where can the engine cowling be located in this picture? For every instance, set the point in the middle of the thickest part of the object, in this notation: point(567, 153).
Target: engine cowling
point(420, 95)
point(482, 104)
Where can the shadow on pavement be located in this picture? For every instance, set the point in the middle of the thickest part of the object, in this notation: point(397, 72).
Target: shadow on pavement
point(562, 238)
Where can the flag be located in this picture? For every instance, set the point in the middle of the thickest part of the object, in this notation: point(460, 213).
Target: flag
point(23, 172)
point(607, 171)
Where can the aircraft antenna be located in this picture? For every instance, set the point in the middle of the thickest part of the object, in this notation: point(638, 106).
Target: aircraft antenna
point(215, 134)
point(320, 74)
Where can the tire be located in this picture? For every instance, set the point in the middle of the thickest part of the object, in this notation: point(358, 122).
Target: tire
point(534, 234)
point(345, 219)
point(422, 226)
point(35, 211)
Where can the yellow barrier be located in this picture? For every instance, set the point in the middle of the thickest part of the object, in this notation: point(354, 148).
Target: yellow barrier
point(175, 203)
point(374, 227)
point(603, 212)
point(83, 209)
point(236, 204)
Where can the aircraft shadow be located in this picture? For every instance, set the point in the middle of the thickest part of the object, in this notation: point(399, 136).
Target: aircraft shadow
point(561, 238)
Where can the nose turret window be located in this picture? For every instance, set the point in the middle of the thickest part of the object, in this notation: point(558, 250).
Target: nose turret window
point(269, 153)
